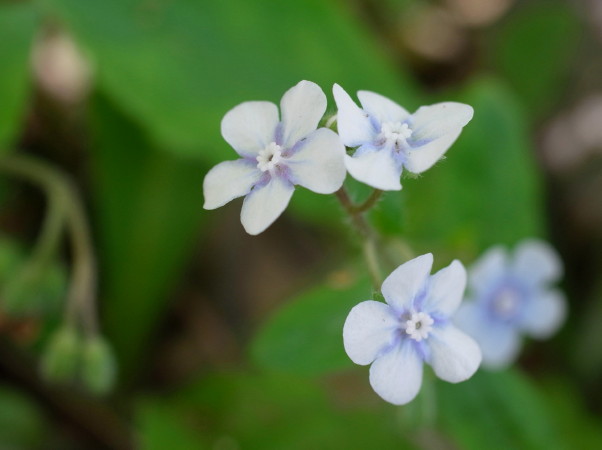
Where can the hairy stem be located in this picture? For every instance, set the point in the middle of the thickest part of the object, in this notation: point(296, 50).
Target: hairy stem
point(64, 207)
point(366, 233)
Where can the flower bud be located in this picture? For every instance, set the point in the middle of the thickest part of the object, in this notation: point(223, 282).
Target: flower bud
point(61, 359)
point(98, 369)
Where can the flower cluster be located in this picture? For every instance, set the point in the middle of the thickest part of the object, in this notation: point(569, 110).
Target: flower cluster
point(279, 152)
point(418, 323)
point(511, 295)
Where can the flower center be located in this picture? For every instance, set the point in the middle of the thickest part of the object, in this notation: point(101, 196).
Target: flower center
point(394, 134)
point(419, 325)
point(269, 157)
point(506, 303)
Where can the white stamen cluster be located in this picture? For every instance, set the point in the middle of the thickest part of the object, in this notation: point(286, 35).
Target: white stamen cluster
point(394, 134)
point(269, 157)
point(419, 325)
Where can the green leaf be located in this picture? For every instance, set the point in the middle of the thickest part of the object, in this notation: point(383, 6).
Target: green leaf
point(305, 336)
point(503, 409)
point(22, 425)
point(487, 190)
point(177, 67)
point(148, 210)
point(278, 411)
point(534, 50)
point(18, 22)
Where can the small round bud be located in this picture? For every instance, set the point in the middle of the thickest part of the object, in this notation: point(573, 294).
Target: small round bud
point(61, 359)
point(99, 368)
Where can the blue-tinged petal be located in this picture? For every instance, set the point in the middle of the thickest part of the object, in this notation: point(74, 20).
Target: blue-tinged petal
point(454, 355)
point(432, 122)
point(446, 289)
point(407, 281)
point(318, 162)
point(369, 329)
point(229, 180)
point(488, 269)
point(536, 262)
point(353, 124)
point(377, 168)
point(499, 342)
point(544, 314)
point(265, 204)
point(302, 108)
point(397, 375)
point(250, 127)
point(423, 157)
point(382, 108)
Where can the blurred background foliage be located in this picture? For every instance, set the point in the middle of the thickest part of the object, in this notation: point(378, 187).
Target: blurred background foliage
point(226, 341)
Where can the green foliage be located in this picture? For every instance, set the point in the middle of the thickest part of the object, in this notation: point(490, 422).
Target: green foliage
point(18, 22)
point(486, 191)
point(305, 335)
point(270, 411)
point(535, 50)
point(22, 426)
point(148, 209)
point(28, 291)
point(176, 67)
point(504, 409)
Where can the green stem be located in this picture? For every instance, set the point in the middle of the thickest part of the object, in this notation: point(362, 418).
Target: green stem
point(64, 208)
point(366, 233)
point(369, 202)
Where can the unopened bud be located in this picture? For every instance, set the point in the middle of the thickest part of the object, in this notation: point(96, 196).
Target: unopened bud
point(98, 366)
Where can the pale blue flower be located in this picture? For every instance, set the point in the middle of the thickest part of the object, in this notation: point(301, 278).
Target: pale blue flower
point(413, 327)
point(277, 153)
point(511, 295)
point(388, 138)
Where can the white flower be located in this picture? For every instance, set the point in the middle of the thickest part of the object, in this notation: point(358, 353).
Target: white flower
point(388, 138)
point(511, 296)
point(413, 327)
point(276, 154)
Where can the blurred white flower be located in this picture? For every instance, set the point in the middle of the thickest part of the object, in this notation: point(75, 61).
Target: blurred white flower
point(413, 327)
point(511, 296)
point(277, 154)
point(388, 138)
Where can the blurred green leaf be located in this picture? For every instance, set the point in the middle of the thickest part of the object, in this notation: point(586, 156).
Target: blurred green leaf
point(269, 412)
point(305, 336)
point(148, 209)
point(534, 50)
point(18, 22)
point(160, 427)
point(503, 409)
point(22, 426)
point(176, 67)
point(487, 189)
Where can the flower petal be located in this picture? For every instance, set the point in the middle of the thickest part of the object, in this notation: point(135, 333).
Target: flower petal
point(543, 315)
point(265, 204)
point(382, 108)
point(302, 108)
point(250, 126)
point(537, 262)
point(407, 281)
point(447, 289)
point(376, 168)
point(397, 375)
point(425, 156)
point(455, 356)
point(499, 342)
point(488, 269)
point(229, 180)
point(354, 125)
point(369, 329)
point(432, 122)
point(319, 162)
